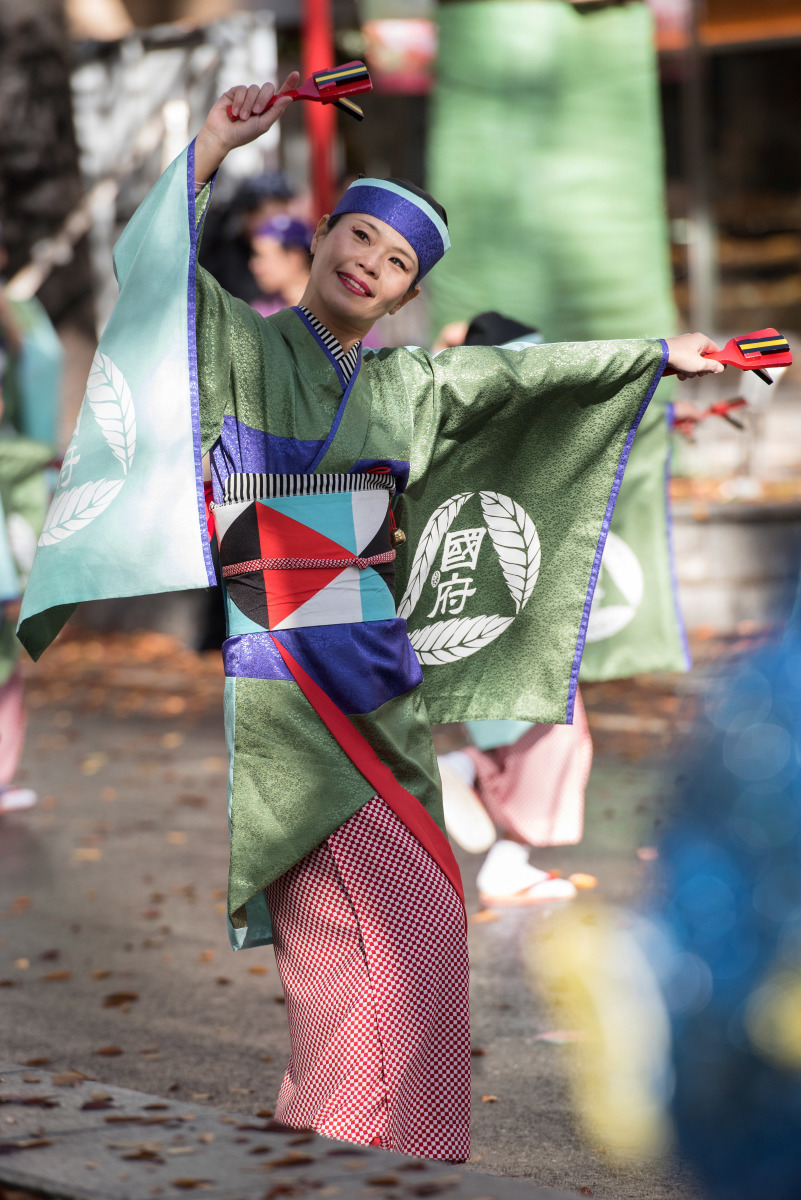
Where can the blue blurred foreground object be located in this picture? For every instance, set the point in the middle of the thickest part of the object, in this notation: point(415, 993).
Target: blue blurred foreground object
point(731, 899)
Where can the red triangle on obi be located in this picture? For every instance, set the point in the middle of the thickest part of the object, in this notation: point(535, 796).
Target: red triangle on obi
point(282, 537)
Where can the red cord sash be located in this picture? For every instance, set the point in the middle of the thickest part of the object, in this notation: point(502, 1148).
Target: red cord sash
point(406, 807)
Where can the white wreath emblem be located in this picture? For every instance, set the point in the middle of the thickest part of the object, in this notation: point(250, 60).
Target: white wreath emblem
point(517, 545)
point(111, 402)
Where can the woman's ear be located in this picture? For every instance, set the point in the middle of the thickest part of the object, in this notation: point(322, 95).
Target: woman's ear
point(412, 293)
point(320, 231)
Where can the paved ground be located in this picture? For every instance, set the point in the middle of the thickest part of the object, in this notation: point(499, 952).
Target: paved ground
point(114, 959)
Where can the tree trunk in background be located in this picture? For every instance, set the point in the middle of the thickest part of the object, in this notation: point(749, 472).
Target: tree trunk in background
point(40, 180)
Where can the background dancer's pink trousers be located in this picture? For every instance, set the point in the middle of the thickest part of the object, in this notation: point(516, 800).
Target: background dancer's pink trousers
point(12, 727)
point(371, 948)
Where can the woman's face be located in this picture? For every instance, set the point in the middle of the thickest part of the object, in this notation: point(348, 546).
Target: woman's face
point(362, 269)
point(273, 267)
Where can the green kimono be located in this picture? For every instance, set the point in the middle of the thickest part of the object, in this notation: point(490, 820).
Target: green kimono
point(500, 465)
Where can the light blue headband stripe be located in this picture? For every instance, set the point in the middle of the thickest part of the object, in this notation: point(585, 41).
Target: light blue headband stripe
point(434, 217)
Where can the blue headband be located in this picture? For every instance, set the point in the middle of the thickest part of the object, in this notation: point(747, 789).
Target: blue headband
point(408, 214)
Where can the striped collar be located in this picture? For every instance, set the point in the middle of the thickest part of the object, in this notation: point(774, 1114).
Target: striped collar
point(347, 360)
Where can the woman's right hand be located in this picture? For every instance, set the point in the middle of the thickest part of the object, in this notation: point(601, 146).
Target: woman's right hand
point(251, 118)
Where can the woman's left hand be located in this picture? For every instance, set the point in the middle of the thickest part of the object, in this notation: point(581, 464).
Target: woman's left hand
point(686, 356)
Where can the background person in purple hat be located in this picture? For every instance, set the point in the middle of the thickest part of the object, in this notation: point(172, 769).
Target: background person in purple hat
point(280, 263)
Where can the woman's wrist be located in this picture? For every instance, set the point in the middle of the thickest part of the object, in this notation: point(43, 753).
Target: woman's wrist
point(209, 156)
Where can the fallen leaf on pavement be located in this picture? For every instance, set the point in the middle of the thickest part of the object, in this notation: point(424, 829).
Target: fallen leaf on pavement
point(49, 955)
point(222, 980)
point(257, 970)
point(109, 1051)
point(189, 1184)
point(57, 977)
point(100, 974)
point(26, 1144)
point(585, 1191)
point(175, 837)
point(477, 1052)
point(293, 1158)
point(68, 1078)
point(22, 964)
point(20, 904)
point(201, 1095)
point(265, 1113)
point(97, 1105)
point(206, 1138)
point(117, 999)
point(36, 1062)
point(182, 1149)
point(31, 1101)
point(31, 1079)
point(151, 914)
point(489, 1099)
point(87, 854)
point(206, 956)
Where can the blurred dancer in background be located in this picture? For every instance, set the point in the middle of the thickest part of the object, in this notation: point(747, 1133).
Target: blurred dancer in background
point(226, 249)
point(280, 263)
point(30, 361)
point(519, 785)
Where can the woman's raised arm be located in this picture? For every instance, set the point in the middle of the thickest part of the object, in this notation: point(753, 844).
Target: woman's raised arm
point(250, 119)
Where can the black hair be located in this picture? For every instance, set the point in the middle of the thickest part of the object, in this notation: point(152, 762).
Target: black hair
point(493, 329)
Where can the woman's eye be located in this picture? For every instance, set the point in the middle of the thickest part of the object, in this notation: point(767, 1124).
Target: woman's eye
point(399, 263)
point(361, 234)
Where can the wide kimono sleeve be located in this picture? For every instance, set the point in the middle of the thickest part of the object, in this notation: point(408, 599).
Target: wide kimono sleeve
point(518, 457)
point(128, 515)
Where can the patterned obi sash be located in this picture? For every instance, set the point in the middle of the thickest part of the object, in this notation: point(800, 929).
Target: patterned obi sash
point(307, 561)
point(300, 550)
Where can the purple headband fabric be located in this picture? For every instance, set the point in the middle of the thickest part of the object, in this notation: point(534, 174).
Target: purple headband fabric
point(405, 216)
point(287, 230)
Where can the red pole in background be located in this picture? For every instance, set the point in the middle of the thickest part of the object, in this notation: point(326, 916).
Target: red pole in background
point(321, 121)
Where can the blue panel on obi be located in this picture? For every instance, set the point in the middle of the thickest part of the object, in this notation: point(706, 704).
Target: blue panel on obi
point(378, 603)
point(360, 666)
point(241, 448)
point(253, 656)
point(332, 516)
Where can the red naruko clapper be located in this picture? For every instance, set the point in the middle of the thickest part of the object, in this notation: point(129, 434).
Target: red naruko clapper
point(330, 87)
point(753, 352)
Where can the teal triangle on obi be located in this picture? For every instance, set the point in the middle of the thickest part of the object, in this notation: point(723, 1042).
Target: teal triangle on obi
point(378, 603)
point(332, 516)
point(238, 623)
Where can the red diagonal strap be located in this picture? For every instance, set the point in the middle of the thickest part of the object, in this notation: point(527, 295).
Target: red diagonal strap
point(406, 807)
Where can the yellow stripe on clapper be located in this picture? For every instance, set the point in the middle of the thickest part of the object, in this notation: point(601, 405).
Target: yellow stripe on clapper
point(330, 76)
point(778, 344)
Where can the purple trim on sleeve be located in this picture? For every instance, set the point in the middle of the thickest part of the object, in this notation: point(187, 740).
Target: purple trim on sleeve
point(321, 453)
point(194, 387)
point(599, 550)
point(322, 345)
point(674, 583)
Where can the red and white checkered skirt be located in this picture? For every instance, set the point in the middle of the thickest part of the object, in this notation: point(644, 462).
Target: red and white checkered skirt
point(371, 948)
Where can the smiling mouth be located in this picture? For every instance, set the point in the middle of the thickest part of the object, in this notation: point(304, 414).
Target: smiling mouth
point(353, 284)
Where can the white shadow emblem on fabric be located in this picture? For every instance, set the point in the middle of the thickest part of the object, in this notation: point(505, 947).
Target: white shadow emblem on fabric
point(620, 568)
point(517, 546)
point(110, 400)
